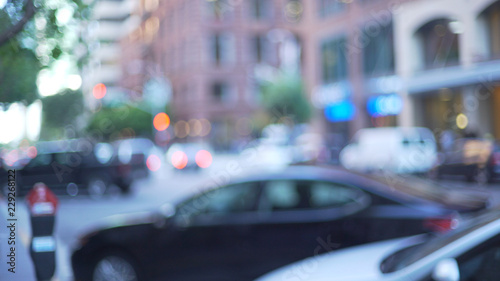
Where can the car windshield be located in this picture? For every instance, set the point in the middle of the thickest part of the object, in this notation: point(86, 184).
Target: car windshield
point(410, 255)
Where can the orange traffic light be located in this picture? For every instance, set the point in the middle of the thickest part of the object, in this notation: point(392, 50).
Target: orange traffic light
point(161, 121)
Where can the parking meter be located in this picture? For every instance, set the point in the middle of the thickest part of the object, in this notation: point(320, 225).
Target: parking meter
point(42, 204)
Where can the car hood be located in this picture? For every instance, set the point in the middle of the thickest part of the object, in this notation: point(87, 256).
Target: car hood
point(113, 222)
point(361, 263)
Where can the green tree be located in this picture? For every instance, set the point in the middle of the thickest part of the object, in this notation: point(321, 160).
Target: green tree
point(18, 73)
point(62, 109)
point(34, 34)
point(59, 111)
point(285, 97)
point(109, 121)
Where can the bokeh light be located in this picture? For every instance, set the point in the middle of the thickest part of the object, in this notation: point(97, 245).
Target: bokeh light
point(161, 121)
point(32, 152)
point(195, 127)
point(181, 129)
point(206, 127)
point(462, 121)
point(203, 159)
point(99, 91)
point(153, 162)
point(179, 160)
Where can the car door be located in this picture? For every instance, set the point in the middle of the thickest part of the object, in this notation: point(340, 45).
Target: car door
point(303, 218)
point(211, 233)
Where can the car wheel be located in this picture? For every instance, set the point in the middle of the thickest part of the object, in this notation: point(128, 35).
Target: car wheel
point(115, 267)
point(482, 176)
point(97, 187)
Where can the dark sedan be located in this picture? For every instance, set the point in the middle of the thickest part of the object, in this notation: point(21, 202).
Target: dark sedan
point(249, 227)
point(69, 167)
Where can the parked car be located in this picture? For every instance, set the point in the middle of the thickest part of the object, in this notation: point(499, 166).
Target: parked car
point(394, 149)
point(70, 167)
point(133, 155)
point(250, 226)
point(471, 252)
point(476, 159)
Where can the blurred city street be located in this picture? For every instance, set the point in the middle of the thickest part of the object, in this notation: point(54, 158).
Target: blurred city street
point(223, 140)
point(164, 185)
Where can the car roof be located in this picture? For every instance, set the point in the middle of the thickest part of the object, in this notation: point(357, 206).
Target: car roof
point(60, 146)
point(391, 187)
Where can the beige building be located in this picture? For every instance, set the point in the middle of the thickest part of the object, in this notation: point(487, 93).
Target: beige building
point(447, 54)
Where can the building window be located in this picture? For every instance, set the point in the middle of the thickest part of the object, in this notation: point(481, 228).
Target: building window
point(378, 54)
point(439, 43)
point(222, 48)
point(220, 9)
point(261, 9)
point(221, 92)
point(334, 60)
point(491, 18)
point(261, 49)
point(327, 8)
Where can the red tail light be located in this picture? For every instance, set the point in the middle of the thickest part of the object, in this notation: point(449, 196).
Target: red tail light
point(440, 225)
point(496, 159)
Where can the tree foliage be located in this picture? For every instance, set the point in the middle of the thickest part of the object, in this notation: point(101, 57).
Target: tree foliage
point(109, 121)
point(285, 97)
point(62, 109)
point(33, 35)
point(18, 73)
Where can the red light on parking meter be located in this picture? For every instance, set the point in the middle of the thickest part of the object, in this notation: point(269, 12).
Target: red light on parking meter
point(42, 201)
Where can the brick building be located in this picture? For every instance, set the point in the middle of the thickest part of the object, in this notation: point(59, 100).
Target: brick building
point(354, 60)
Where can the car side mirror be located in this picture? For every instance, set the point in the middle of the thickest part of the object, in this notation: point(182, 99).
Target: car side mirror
point(164, 212)
point(167, 210)
point(446, 270)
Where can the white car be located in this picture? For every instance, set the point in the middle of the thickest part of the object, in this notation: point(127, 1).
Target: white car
point(469, 253)
point(391, 149)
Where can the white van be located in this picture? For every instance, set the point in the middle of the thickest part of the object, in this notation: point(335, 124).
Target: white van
point(391, 149)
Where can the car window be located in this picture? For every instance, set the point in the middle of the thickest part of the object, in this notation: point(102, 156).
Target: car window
point(294, 195)
point(481, 263)
point(325, 194)
point(40, 160)
point(229, 199)
point(285, 195)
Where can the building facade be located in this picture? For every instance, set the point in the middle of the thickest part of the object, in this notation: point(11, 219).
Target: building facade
point(365, 63)
point(110, 21)
point(447, 59)
point(209, 52)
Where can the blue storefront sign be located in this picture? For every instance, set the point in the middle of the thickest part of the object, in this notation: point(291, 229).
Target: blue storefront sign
point(384, 105)
point(340, 112)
